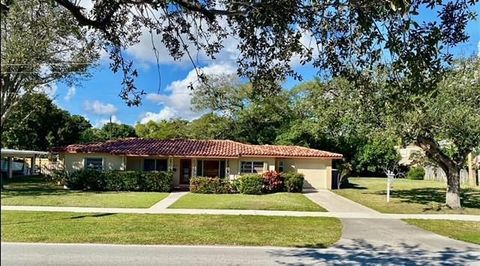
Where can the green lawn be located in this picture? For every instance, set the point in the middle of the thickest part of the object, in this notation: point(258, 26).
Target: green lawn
point(277, 201)
point(169, 229)
point(35, 191)
point(461, 230)
point(408, 196)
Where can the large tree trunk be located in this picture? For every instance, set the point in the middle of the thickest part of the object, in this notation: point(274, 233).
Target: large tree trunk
point(453, 189)
point(448, 165)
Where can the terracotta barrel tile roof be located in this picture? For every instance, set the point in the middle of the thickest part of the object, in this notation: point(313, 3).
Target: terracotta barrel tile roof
point(193, 148)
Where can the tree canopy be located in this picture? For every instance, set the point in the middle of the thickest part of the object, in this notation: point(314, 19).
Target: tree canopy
point(40, 44)
point(350, 39)
point(36, 123)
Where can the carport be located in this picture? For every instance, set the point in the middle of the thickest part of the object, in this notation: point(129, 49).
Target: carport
point(10, 154)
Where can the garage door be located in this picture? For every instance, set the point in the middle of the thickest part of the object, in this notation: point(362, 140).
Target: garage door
point(314, 172)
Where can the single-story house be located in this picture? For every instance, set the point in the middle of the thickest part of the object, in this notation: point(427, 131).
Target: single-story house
point(187, 158)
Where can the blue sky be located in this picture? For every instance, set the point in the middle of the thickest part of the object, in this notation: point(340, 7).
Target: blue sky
point(97, 97)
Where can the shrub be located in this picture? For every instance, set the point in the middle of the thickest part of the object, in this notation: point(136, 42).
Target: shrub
point(235, 185)
point(120, 180)
point(293, 181)
point(250, 184)
point(157, 181)
point(57, 177)
point(209, 185)
point(86, 180)
point(272, 182)
point(416, 173)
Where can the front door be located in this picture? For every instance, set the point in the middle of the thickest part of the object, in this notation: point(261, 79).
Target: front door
point(185, 171)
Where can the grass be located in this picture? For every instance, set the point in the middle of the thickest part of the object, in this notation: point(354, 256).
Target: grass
point(34, 191)
point(460, 230)
point(169, 229)
point(277, 201)
point(408, 196)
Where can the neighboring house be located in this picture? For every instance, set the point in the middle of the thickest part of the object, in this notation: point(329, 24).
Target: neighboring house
point(409, 154)
point(187, 158)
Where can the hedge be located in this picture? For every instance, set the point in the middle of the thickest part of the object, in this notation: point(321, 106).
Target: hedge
point(293, 181)
point(209, 185)
point(250, 184)
point(120, 180)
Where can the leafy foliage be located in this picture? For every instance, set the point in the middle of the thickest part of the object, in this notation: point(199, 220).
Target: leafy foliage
point(293, 181)
point(119, 180)
point(250, 184)
point(416, 173)
point(41, 44)
point(352, 38)
point(107, 132)
point(272, 182)
point(209, 185)
point(35, 123)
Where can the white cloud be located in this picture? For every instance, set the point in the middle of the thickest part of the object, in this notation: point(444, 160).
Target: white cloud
point(176, 101)
point(70, 93)
point(166, 113)
point(102, 122)
point(99, 108)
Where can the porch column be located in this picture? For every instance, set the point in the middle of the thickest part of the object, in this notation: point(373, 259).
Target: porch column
point(194, 167)
point(124, 163)
point(227, 168)
point(32, 165)
point(170, 164)
point(9, 167)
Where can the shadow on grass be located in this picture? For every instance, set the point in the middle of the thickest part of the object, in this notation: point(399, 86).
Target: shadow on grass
point(36, 186)
point(44, 220)
point(470, 197)
point(352, 186)
point(361, 252)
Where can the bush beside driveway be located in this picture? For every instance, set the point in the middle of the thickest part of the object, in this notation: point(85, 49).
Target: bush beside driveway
point(408, 196)
point(169, 229)
point(276, 201)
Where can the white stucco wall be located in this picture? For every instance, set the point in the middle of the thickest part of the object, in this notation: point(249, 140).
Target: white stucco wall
point(75, 161)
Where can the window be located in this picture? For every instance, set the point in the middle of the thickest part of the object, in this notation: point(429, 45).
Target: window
point(211, 168)
point(280, 166)
point(94, 163)
point(155, 165)
point(251, 167)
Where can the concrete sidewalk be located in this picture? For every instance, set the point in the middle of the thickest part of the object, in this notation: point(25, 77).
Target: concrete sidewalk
point(166, 202)
point(351, 215)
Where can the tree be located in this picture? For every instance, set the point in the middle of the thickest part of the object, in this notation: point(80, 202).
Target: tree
point(107, 132)
point(448, 113)
point(254, 119)
point(327, 119)
point(163, 129)
point(351, 38)
point(118, 131)
point(40, 44)
point(35, 123)
point(211, 126)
